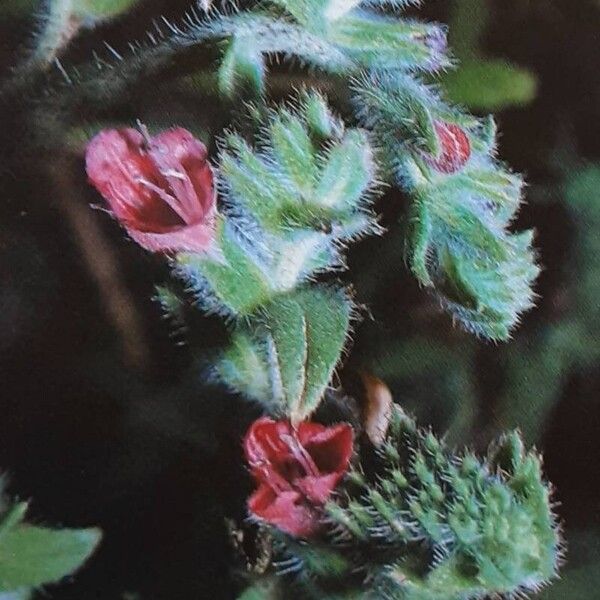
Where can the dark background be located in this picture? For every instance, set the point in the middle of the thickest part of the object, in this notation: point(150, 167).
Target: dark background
point(105, 419)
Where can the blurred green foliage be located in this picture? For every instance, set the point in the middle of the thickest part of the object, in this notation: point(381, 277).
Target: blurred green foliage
point(490, 85)
point(479, 82)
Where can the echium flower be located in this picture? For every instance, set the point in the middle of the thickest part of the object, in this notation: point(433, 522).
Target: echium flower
point(159, 188)
point(297, 470)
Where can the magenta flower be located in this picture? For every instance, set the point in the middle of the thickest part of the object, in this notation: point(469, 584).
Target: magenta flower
point(159, 188)
point(296, 471)
point(455, 148)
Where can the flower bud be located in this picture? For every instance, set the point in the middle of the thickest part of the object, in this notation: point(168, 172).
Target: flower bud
point(455, 148)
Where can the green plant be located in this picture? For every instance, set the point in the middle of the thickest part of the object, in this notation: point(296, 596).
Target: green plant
point(299, 162)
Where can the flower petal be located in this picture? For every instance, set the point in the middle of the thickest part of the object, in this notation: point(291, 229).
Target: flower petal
point(117, 165)
point(330, 448)
point(297, 471)
point(161, 189)
point(183, 160)
point(192, 238)
point(455, 148)
point(318, 489)
point(286, 511)
point(264, 442)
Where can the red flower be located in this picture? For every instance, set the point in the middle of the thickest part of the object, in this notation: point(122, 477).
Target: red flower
point(455, 148)
point(160, 188)
point(296, 471)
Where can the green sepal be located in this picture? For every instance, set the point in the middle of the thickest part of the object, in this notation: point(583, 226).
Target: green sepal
point(321, 122)
point(457, 244)
point(309, 13)
point(289, 183)
point(252, 184)
point(347, 172)
point(400, 110)
point(443, 526)
point(294, 151)
point(418, 241)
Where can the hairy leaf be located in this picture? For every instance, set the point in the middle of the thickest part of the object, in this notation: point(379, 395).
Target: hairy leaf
point(284, 358)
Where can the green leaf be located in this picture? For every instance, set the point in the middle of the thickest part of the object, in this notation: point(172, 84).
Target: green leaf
point(285, 357)
point(306, 332)
point(12, 517)
point(32, 556)
point(490, 85)
point(22, 594)
point(243, 367)
point(274, 35)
